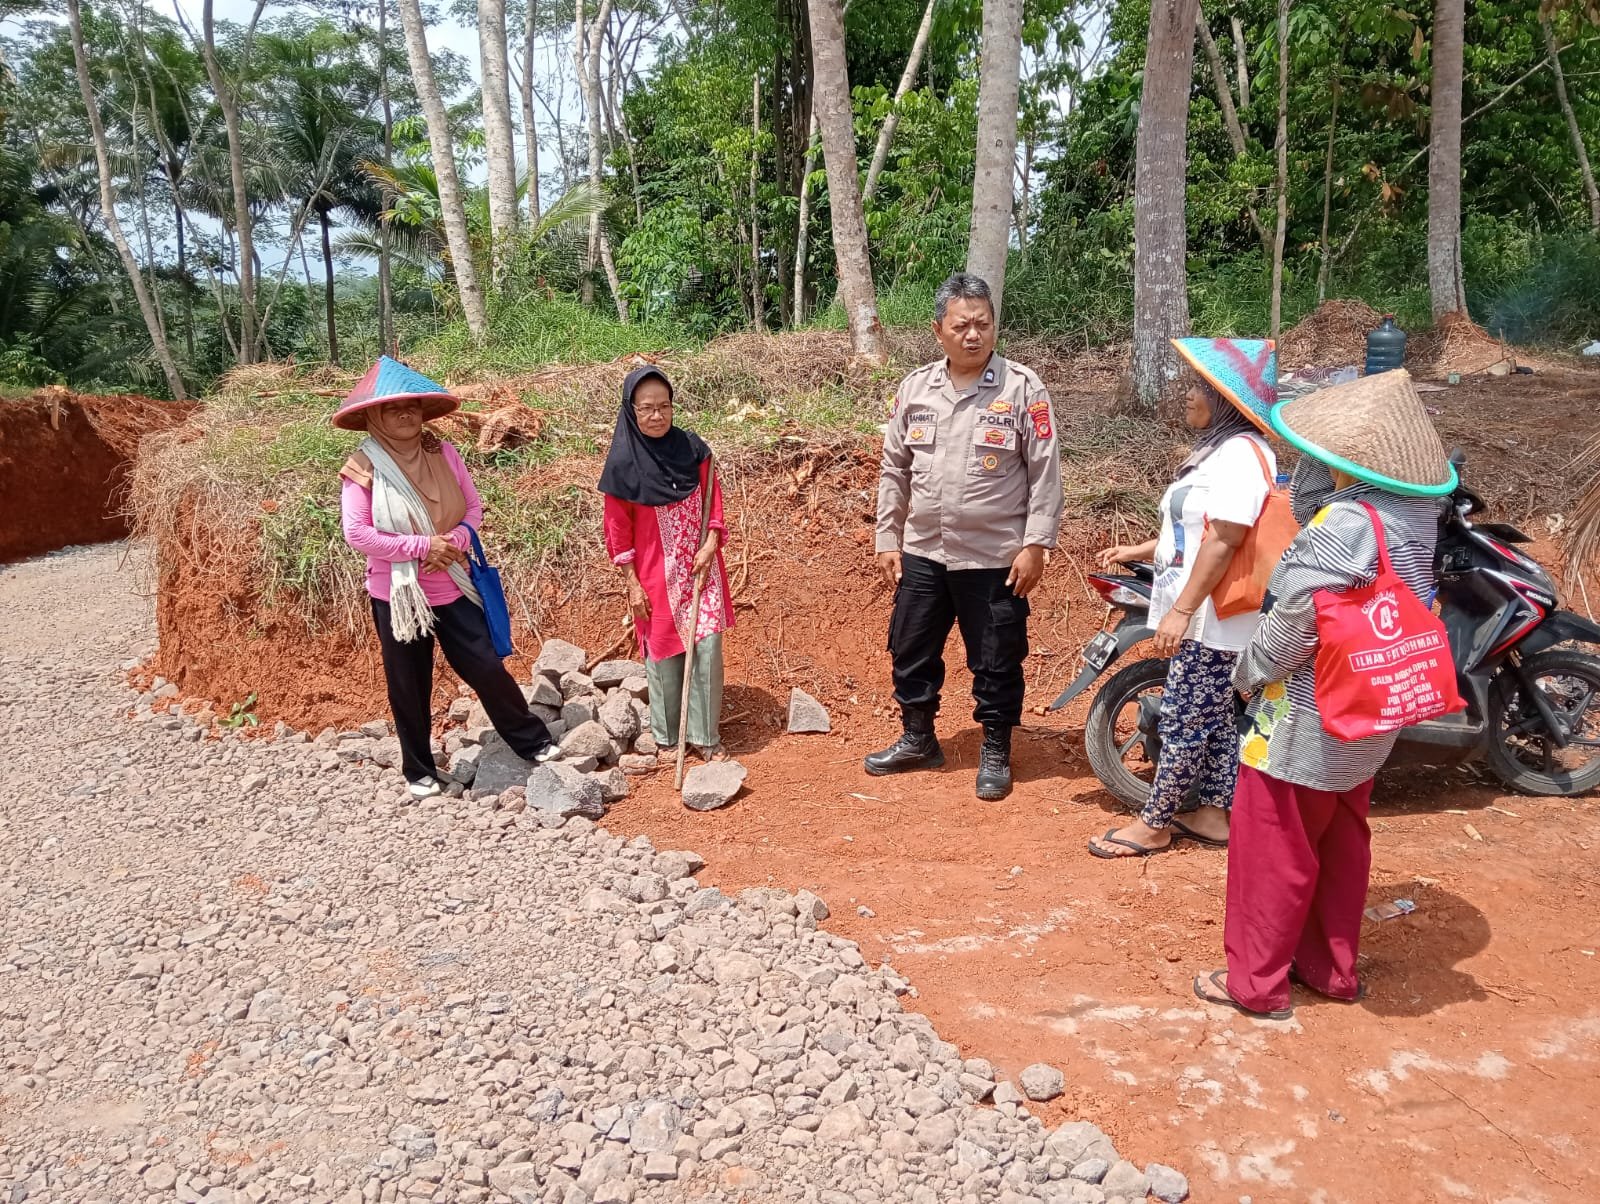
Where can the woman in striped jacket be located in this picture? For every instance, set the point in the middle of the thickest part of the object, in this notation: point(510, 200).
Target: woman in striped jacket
point(1299, 850)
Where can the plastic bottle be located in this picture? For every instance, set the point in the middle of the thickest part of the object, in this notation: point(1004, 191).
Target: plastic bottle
point(1386, 347)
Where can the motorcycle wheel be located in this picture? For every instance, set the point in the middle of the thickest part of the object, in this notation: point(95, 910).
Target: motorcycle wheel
point(1113, 735)
point(1521, 752)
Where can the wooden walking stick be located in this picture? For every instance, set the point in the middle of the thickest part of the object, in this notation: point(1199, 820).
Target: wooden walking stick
point(694, 624)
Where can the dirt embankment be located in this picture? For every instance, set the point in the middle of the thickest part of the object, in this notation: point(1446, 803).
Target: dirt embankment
point(64, 463)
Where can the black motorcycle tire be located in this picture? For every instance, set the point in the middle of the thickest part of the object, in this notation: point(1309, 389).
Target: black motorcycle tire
point(1562, 784)
point(1100, 737)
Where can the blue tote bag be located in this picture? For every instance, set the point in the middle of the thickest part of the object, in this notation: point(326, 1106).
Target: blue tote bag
point(486, 581)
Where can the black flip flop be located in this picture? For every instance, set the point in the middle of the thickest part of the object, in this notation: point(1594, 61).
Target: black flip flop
point(1223, 999)
point(1140, 850)
point(1189, 833)
point(1361, 988)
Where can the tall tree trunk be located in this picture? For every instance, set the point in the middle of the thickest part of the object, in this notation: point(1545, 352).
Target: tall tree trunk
point(989, 238)
point(452, 205)
point(327, 288)
point(1578, 148)
point(1230, 118)
point(242, 221)
point(758, 291)
point(386, 339)
point(183, 271)
point(1241, 58)
point(1445, 283)
point(1160, 285)
point(1325, 271)
point(586, 53)
point(497, 136)
point(108, 207)
point(1276, 319)
point(530, 128)
point(831, 105)
point(802, 234)
point(908, 77)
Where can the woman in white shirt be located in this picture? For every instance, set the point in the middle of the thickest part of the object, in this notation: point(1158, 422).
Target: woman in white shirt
point(1205, 515)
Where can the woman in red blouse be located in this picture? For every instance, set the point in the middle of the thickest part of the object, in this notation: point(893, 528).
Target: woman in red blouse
point(654, 483)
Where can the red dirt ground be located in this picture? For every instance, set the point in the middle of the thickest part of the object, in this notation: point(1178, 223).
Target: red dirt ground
point(64, 461)
point(1468, 1074)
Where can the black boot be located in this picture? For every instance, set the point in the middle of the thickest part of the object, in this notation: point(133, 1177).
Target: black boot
point(917, 747)
point(994, 762)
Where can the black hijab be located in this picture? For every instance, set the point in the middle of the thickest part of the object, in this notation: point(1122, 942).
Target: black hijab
point(646, 471)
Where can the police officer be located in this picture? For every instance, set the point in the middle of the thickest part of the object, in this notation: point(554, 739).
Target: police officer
point(969, 498)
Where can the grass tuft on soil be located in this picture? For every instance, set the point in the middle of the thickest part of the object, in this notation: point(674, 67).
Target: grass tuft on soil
point(252, 479)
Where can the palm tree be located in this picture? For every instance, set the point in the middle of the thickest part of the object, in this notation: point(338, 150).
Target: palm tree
point(322, 126)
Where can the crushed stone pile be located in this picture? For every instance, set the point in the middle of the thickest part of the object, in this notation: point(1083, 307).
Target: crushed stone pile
point(248, 971)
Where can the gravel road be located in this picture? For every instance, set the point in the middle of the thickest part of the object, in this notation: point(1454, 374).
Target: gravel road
point(247, 970)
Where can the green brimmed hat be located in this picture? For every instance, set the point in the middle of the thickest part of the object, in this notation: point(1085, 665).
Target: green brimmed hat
point(1245, 371)
point(1376, 429)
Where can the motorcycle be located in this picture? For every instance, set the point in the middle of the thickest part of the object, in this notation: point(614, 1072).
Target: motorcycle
point(1533, 705)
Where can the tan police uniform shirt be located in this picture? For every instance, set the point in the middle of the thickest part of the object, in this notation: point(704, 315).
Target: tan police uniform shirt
point(968, 479)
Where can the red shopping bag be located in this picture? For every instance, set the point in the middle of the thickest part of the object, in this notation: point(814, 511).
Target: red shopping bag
point(1383, 659)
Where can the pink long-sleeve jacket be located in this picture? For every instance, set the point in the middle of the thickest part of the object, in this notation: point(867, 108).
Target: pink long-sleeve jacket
point(382, 549)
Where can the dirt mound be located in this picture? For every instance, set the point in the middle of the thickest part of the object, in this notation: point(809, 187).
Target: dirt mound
point(64, 461)
point(1331, 336)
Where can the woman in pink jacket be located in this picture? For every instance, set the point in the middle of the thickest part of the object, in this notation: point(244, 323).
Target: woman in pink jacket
point(407, 502)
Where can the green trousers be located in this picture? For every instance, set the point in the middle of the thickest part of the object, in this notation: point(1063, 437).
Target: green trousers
point(705, 695)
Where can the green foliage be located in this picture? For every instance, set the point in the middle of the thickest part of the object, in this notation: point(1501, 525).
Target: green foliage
point(241, 714)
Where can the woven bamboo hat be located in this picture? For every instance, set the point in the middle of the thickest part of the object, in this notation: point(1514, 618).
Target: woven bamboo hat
point(1374, 428)
point(1245, 371)
point(390, 380)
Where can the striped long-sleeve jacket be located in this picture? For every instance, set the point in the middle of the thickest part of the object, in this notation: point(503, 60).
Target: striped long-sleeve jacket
point(1337, 550)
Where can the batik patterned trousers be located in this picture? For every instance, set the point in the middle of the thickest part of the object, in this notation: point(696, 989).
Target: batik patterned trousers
point(1199, 733)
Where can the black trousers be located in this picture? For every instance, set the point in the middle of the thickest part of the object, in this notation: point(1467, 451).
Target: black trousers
point(994, 626)
point(408, 670)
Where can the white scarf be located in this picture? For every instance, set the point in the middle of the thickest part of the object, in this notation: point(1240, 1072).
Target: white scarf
point(398, 509)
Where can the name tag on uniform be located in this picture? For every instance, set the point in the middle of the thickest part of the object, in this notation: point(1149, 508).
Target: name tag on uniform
point(1001, 438)
point(921, 428)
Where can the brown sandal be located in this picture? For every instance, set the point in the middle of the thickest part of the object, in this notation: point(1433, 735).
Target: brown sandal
point(1223, 999)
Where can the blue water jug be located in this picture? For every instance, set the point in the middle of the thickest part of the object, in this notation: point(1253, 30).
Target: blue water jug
point(1386, 347)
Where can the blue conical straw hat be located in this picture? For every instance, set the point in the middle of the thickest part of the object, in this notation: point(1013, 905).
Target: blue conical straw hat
point(1245, 371)
point(390, 380)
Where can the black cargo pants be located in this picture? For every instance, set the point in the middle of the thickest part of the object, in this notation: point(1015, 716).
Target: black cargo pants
point(461, 631)
point(994, 626)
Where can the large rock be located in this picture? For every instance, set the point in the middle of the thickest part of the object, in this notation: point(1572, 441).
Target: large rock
point(576, 685)
point(543, 693)
point(464, 764)
point(806, 714)
point(550, 796)
point(584, 790)
point(499, 768)
point(608, 675)
point(1166, 1184)
point(619, 718)
point(557, 658)
point(707, 787)
point(588, 740)
point(1042, 1083)
point(613, 785)
point(578, 712)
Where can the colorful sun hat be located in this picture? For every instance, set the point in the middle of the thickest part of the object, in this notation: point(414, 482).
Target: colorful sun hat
point(1245, 371)
point(390, 380)
point(1376, 429)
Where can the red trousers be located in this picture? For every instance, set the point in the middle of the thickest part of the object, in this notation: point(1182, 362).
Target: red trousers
point(1297, 884)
